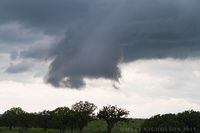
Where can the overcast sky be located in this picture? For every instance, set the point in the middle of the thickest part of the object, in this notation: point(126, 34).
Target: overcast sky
point(140, 55)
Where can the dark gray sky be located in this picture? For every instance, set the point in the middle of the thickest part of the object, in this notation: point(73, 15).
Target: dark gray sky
point(89, 39)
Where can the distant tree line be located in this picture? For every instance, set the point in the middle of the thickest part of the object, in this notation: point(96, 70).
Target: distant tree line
point(185, 122)
point(63, 118)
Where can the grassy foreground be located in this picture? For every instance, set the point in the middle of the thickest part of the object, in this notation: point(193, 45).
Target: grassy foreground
point(97, 126)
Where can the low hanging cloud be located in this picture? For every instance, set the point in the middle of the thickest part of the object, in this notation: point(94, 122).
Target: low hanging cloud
point(86, 56)
point(99, 35)
point(131, 31)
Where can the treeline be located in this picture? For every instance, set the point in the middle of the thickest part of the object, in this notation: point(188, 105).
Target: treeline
point(185, 122)
point(62, 118)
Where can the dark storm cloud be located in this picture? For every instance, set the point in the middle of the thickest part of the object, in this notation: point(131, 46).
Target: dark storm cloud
point(15, 33)
point(172, 30)
point(86, 56)
point(49, 15)
point(101, 34)
point(39, 52)
point(132, 30)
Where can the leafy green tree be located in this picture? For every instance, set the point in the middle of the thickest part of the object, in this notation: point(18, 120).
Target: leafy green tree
point(73, 120)
point(44, 119)
point(25, 120)
point(34, 120)
point(11, 118)
point(166, 123)
point(1, 124)
point(191, 119)
point(61, 118)
point(185, 122)
point(112, 115)
point(85, 113)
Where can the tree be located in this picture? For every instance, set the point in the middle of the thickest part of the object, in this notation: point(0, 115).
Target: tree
point(25, 120)
point(34, 119)
point(73, 120)
point(166, 123)
point(191, 119)
point(85, 113)
point(61, 118)
point(44, 119)
point(185, 122)
point(112, 115)
point(11, 117)
point(1, 123)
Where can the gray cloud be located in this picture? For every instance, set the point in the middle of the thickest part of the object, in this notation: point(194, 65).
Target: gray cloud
point(13, 55)
point(36, 52)
point(19, 68)
point(99, 35)
point(14, 32)
point(128, 32)
point(79, 58)
point(50, 16)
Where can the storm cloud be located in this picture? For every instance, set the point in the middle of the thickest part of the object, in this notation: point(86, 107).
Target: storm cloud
point(94, 37)
point(13, 55)
point(19, 68)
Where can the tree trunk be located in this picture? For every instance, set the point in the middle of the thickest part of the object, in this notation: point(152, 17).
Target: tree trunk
point(45, 129)
point(63, 131)
point(109, 129)
point(10, 127)
point(72, 129)
point(81, 129)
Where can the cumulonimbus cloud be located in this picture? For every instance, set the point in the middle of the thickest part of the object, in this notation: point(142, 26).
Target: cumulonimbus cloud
point(99, 35)
point(128, 32)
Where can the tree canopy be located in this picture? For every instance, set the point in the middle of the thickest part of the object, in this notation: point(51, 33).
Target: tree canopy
point(185, 122)
point(112, 115)
point(12, 117)
point(85, 113)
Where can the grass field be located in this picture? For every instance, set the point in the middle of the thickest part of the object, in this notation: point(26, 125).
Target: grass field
point(97, 126)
